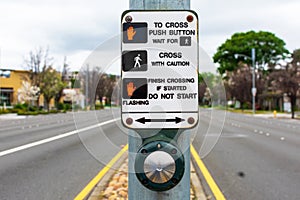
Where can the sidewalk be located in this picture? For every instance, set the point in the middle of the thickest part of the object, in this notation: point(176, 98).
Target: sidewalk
point(114, 185)
point(279, 116)
point(271, 115)
point(11, 116)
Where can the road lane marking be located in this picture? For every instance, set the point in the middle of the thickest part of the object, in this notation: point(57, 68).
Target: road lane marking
point(51, 139)
point(90, 186)
point(212, 184)
point(209, 179)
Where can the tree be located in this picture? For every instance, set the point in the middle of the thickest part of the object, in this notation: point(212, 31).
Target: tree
point(28, 93)
point(211, 89)
point(239, 84)
point(96, 84)
point(36, 62)
point(90, 78)
point(64, 79)
point(50, 84)
point(206, 80)
point(269, 49)
point(287, 79)
point(235, 60)
point(106, 86)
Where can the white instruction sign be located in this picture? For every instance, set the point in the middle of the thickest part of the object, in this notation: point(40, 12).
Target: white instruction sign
point(159, 69)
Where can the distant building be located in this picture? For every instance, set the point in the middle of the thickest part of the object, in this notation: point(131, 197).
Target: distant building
point(10, 82)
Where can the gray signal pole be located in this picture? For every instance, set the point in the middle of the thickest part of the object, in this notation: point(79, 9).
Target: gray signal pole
point(159, 4)
point(253, 89)
point(253, 79)
point(136, 191)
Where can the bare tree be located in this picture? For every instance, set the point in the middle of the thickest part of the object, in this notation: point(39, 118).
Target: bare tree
point(36, 62)
point(96, 84)
point(64, 79)
point(90, 78)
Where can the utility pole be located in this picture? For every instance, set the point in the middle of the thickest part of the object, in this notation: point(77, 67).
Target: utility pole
point(0, 81)
point(253, 79)
point(136, 190)
point(87, 86)
point(253, 89)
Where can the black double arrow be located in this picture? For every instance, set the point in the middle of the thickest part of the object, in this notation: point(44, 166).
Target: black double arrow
point(143, 120)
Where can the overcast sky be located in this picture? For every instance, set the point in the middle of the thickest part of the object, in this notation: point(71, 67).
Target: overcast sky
point(74, 28)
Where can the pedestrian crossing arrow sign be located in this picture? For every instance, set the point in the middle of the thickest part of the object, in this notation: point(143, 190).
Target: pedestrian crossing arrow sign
point(159, 69)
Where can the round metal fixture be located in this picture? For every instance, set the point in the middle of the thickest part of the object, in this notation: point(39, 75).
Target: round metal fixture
point(191, 120)
point(128, 19)
point(129, 121)
point(190, 18)
point(159, 165)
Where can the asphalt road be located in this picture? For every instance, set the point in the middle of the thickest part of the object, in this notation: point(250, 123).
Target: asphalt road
point(254, 158)
point(59, 169)
point(249, 157)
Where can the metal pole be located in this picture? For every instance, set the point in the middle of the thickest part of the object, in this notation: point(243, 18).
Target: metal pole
point(136, 191)
point(159, 4)
point(0, 81)
point(87, 87)
point(253, 80)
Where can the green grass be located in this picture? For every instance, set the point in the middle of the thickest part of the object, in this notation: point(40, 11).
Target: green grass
point(250, 111)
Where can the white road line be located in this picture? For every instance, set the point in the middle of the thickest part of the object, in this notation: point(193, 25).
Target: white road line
point(51, 139)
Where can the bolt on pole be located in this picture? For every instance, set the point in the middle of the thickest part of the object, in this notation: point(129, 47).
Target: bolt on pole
point(136, 191)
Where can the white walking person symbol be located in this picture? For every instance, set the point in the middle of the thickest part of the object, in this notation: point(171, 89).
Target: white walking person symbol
point(137, 61)
point(186, 41)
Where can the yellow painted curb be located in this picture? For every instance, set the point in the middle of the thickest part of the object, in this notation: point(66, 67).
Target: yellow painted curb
point(209, 179)
point(90, 186)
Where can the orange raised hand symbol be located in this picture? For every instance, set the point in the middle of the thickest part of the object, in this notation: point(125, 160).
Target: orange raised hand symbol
point(130, 33)
point(130, 89)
